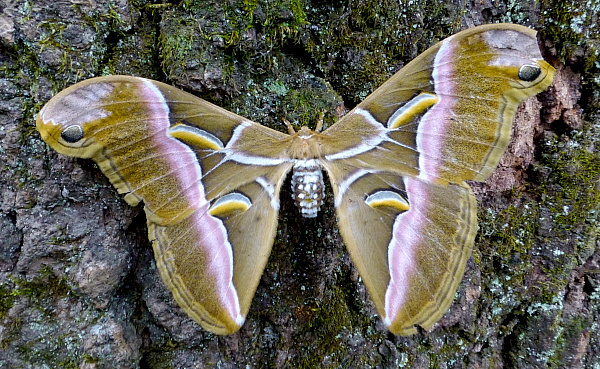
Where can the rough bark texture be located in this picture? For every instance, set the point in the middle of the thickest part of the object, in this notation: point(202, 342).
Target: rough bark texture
point(78, 284)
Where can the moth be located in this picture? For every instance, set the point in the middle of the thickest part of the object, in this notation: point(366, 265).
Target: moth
point(210, 179)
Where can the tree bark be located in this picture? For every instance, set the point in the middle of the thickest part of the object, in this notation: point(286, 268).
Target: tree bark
point(78, 283)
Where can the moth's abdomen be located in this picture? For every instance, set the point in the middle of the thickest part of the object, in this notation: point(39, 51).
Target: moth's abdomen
point(307, 187)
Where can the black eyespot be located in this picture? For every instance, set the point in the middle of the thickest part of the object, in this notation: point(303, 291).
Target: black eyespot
point(529, 73)
point(72, 134)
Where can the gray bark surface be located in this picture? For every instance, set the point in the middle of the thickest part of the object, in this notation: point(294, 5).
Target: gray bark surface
point(78, 283)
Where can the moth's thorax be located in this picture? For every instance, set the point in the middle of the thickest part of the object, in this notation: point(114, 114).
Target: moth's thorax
point(307, 187)
point(304, 145)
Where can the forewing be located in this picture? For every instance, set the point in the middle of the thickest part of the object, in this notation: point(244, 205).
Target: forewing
point(447, 115)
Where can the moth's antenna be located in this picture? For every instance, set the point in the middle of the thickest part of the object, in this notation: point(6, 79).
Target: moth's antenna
point(291, 130)
point(320, 122)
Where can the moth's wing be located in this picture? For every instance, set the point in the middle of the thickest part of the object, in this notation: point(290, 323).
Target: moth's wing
point(443, 119)
point(209, 181)
point(447, 115)
point(409, 239)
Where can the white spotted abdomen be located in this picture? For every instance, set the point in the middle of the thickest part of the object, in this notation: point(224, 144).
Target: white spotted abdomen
point(307, 187)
